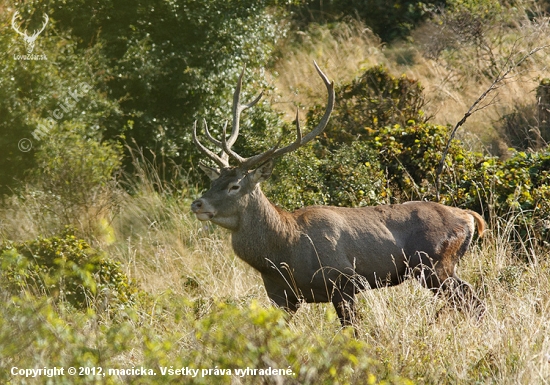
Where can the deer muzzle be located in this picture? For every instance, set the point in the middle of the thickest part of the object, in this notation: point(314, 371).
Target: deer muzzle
point(201, 210)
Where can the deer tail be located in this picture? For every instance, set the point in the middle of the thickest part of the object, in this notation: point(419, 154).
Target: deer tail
point(479, 221)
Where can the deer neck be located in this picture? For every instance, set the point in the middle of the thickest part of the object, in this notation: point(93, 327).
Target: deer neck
point(265, 233)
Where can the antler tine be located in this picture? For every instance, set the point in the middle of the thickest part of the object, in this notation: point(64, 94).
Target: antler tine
point(330, 106)
point(237, 109)
point(224, 156)
point(209, 135)
point(226, 145)
point(274, 152)
point(297, 143)
point(220, 161)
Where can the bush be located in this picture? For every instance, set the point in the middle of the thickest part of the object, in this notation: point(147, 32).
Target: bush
point(66, 269)
point(36, 334)
point(374, 100)
point(348, 176)
point(379, 126)
point(75, 176)
point(520, 184)
point(410, 155)
point(264, 340)
point(473, 38)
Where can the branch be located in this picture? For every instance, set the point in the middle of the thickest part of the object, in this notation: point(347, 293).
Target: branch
point(476, 107)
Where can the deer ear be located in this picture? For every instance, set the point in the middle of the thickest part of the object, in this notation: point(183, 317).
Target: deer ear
point(212, 173)
point(263, 172)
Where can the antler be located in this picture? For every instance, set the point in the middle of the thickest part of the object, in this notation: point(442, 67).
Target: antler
point(15, 16)
point(223, 159)
point(274, 152)
point(46, 19)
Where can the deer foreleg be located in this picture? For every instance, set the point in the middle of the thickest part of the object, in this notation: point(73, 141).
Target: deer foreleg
point(281, 296)
point(343, 299)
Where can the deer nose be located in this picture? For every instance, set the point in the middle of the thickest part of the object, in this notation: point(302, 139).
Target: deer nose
point(196, 205)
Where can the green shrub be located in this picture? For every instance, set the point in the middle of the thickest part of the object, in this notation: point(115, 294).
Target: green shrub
point(347, 176)
point(374, 100)
point(66, 269)
point(37, 95)
point(520, 184)
point(34, 333)
point(229, 338)
point(410, 156)
point(75, 176)
point(262, 339)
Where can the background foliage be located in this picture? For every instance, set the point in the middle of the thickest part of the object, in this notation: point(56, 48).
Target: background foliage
point(409, 154)
point(153, 68)
point(390, 20)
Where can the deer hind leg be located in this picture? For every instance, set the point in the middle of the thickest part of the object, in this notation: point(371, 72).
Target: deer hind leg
point(462, 296)
point(442, 278)
point(458, 293)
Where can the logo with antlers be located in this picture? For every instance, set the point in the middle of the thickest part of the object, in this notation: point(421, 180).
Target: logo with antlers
point(29, 40)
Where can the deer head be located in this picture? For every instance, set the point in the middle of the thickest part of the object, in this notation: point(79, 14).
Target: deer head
point(234, 186)
point(29, 40)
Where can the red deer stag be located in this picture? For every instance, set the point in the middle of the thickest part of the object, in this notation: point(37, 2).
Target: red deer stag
point(323, 253)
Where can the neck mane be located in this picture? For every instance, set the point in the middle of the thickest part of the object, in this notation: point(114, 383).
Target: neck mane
point(265, 232)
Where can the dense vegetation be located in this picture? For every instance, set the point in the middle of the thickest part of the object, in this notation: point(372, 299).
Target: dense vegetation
point(103, 266)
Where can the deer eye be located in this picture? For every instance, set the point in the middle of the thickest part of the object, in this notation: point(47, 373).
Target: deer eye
point(235, 187)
